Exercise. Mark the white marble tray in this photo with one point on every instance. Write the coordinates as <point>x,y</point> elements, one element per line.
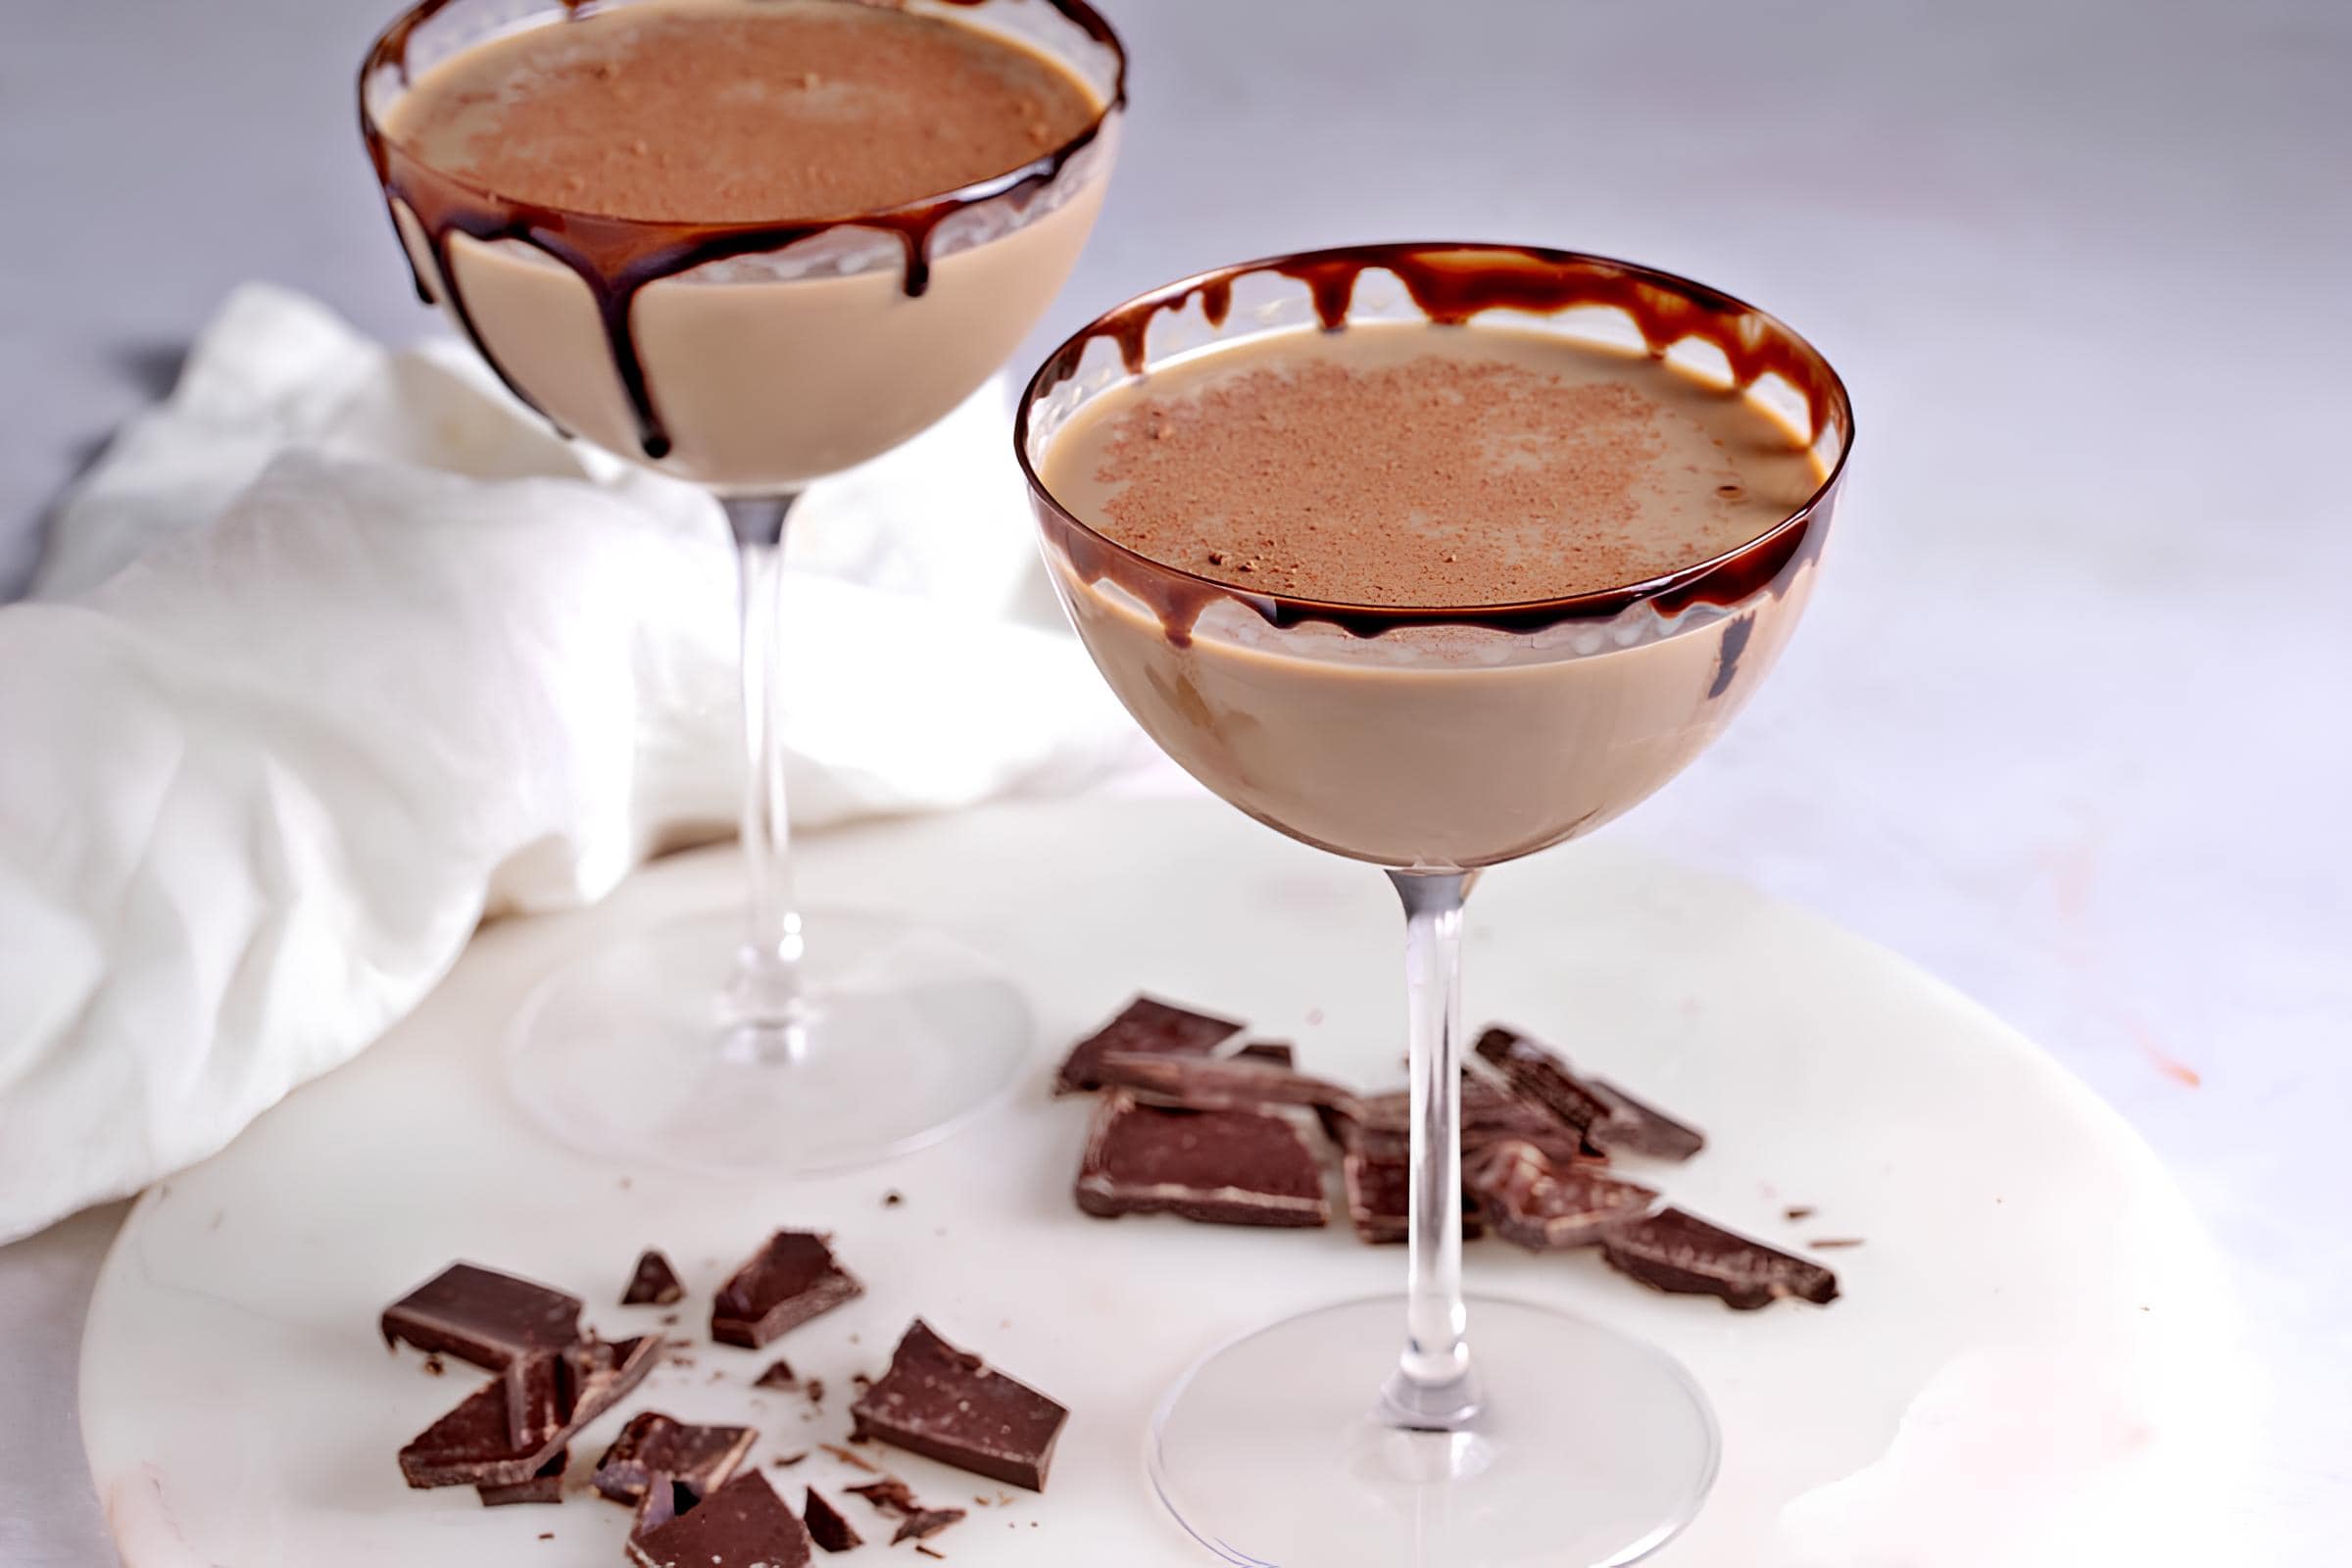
<point>2035,1361</point>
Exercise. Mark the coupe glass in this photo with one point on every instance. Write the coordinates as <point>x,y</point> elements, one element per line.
<point>1434,742</point>
<point>753,359</point>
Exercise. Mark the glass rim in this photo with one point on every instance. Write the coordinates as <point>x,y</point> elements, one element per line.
<point>1684,583</point>
<point>389,51</point>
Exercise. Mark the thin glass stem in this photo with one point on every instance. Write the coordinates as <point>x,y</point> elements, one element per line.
<point>1434,1389</point>
<point>766,1009</point>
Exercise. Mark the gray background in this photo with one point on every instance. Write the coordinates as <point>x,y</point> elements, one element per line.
<point>2067,722</point>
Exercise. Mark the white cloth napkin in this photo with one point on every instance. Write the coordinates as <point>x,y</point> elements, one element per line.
<point>340,650</point>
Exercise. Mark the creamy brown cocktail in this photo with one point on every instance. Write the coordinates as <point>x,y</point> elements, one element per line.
<point>1410,465</point>
<point>755,241</point>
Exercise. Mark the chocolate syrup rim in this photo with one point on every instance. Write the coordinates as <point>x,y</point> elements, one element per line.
<point>390,50</point>
<point>1723,580</point>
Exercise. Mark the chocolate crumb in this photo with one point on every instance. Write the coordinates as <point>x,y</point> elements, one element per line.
<point>1832,1243</point>
<point>547,1535</point>
<point>893,1198</point>
<point>815,1391</point>
<point>853,1461</point>
<point>928,1552</point>
<point>435,1365</point>
<point>1799,1212</point>
<point>785,1461</point>
<point>890,1494</point>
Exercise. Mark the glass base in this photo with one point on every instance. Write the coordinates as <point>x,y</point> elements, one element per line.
<point>1591,1449</point>
<point>629,1054</point>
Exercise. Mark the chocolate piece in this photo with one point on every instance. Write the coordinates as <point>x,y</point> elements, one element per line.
<point>484,1317</point>
<point>744,1523</point>
<point>1148,1027</point>
<point>652,1446</point>
<point>826,1527</point>
<point>889,1494</point>
<point>1215,1083</point>
<point>655,1283</point>
<point>1545,1205</point>
<point>1826,1244</point>
<point>947,1404</point>
<point>778,1376</point>
<point>1277,1052</point>
<point>1380,1126</point>
<point>1380,1198</point>
<point>925,1523</point>
<point>1611,1120</point>
<point>790,1279</point>
<point>663,1501</point>
<point>545,1487</point>
<point>550,1396</point>
<point>1678,1252</point>
<point>1220,1167</point>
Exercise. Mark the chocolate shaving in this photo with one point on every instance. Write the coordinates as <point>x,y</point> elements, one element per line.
<point>926,1523</point>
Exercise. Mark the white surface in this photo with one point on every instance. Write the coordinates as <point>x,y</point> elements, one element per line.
<point>339,649</point>
<point>2032,1355</point>
<point>2081,262</point>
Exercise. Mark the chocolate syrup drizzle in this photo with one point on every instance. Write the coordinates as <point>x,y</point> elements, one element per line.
<point>616,257</point>
<point>1449,283</point>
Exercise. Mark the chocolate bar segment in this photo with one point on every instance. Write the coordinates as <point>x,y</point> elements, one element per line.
<point>791,1279</point>
<point>744,1523</point>
<point>545,1487</point>
<point>1380,1200</point>
<point>1146,1026</point>
<point>1546,1207</point>
<point>826,1527</point>
<point>1219,1167</point>
<point>1678,1252</point>
<point>947,1404</point>
<point>484,1317</point>
<point>1610,1120</point>
<point>652,1446</point>
<point>1216,1083</point>
<point>1380,1126</point>
<point>654,1284</point>
<point>551,1396</point>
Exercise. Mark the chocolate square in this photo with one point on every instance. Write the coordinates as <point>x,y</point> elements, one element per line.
<point>1544,1206</point>
<point>1678,1252</point>
<point>790,1279</point>
<point>1220,1167</point>
<point>1146,1027</point>
<point>653,1446</point>
<point>744,1523</point>
<point>1610,1120</point>
<point>484,1317</point>
<point>947,1404</point>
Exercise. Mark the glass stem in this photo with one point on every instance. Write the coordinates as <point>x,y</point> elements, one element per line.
<point>1433,1388</point>
<point>765,1008</point>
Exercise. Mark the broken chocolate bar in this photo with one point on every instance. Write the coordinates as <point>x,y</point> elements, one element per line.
<point>744,1523</point>
<point>545,1487</point>
<point>1611,1120</point>
<point>1676,1252</point>
<point>1220,1167</point>
<point>655,1283</point>
<point>826,1527</point>
<point>1544,1206</point>
<point>482,1316</point>
<point>947,1404</point>
<point>553,1396</point>
<point>652,1446</point>
<point>1146,1026</point>
<point>1216,1083</point>
<point>790,1279</point>
<point>1380,1196</point>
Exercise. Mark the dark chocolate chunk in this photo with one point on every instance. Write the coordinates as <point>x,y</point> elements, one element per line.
<point>652,1446</point>
<point>550,1397</point>
<point>1380,1126</point>
<point>1277,1052</point>
<point>484,1317</point>
<point>1678,1252</point>
<point>744,1523</point>
<point>1221,1167</point>
<point>1545,1205</point>
<point>790,1279</point>
<point>1215,1083</point>
<point>778,1376</point>
<point>663,1501</point>
<point>925,1523</point>
<point>1380,1196</point>
<point>655,1283</point>
<point>1611,1120</point>
<point>545,1487</point>
<point>947,1404</point>
<point>826,1527</point>
<point>1146,1026</point>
